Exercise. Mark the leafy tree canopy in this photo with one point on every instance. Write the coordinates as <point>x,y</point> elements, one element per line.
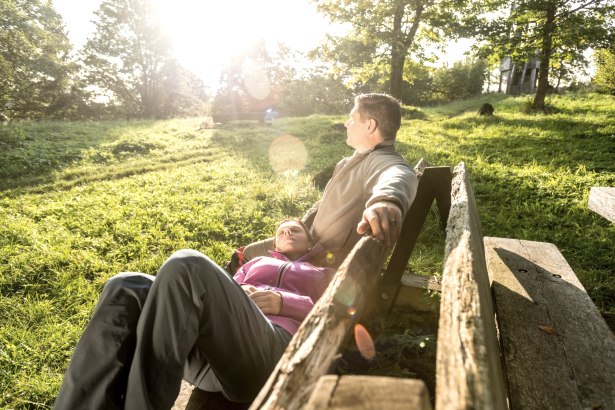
<point>35,67</point>
<point>555,31</point>
<point>129,61</point>
<point>605,71</point>
<point>384,33</point>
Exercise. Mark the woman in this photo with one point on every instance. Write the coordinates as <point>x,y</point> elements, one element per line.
<point>194,321</point>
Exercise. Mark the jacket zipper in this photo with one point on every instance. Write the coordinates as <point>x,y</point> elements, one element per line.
<point>281,270</point>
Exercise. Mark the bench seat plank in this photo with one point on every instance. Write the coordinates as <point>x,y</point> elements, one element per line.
<point>558,351</point>
<point>468,366</point>
<point>602,201</point>
<point>369,393</point>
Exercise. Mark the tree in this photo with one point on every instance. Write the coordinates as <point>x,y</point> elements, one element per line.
<point>462,80</point>
<point>254,79</point>
<point>128,58</point>
<point>35,66</point>
<point>560,30</point>
<point>384,34</point>
<point>605,71</point>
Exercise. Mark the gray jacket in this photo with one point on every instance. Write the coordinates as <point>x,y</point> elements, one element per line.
<point>359,181</point>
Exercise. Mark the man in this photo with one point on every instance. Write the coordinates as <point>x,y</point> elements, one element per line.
<point>369,191</point>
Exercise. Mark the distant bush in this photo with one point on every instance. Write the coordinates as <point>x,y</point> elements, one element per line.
<point>605,71</point>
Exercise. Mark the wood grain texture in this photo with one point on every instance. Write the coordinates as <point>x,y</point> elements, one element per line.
<point>559,352</point>
<point>369,393</point>
<point>315,346</point>
<point>602,201</point>
<point>468,366</point>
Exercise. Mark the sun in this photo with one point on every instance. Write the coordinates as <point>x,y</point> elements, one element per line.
<point>206,35</point>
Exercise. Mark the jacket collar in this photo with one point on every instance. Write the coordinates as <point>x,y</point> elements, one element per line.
<point>312,253</point>
<point>388,144</point>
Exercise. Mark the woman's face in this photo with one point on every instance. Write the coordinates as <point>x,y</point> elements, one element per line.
<point>291,239</point>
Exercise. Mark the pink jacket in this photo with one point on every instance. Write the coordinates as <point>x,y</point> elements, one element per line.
<point>299,282</point>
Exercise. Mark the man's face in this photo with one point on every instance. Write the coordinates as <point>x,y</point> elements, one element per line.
<point>357,131</point>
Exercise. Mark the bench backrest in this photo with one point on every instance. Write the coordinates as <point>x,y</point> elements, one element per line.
<point>314,348</point>
<point>468,366</point>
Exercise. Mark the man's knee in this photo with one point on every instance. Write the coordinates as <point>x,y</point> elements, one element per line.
<point>127,288</point>
<point>186,265</point>
<point>130,280</point>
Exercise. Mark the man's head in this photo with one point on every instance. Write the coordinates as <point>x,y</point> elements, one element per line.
<point>375,118</point>
<point>292,238</point>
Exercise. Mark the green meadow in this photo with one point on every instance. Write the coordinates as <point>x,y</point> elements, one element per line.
<point>81,201</point>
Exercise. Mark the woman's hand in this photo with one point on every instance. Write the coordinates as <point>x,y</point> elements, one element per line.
<point>268,301</point>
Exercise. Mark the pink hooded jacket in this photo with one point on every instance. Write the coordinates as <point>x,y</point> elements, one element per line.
<point>299,282</point>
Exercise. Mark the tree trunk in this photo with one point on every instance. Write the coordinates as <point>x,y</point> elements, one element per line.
<point>398,53</point>
<point>398,59</point>
<point>545,57</point>
<point>401,43</point>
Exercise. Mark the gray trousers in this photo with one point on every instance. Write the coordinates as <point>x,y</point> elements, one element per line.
<point>147,333</point>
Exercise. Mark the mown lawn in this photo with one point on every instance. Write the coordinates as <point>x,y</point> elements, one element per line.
<point>81,201</point>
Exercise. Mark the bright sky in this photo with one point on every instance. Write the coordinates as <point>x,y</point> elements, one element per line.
<point>206,33</point>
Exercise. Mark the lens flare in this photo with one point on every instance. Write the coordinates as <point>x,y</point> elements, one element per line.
<point>255,79</point>
<point>287,154</point>
<point>347,293</point>
<point>330,258</point>
<point>352,311</point>
<point>364,342</point>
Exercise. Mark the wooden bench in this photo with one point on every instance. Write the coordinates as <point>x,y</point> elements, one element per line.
<point>556,350</point>
<point>602,201</point>
<point>516,328</point>
<point>368,392</point>
<point>222,117</point>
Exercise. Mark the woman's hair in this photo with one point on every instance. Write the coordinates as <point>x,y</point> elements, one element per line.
<point>300,222</point>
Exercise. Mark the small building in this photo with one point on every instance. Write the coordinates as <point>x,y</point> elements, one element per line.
<point>518,77</point>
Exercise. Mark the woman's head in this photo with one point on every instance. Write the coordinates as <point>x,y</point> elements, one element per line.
<point>292,238</point>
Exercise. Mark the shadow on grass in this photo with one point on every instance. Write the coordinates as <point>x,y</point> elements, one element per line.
<point>31,153</point>
<point>549,142</point>
<point>323,138</point>
<point>572,357</point>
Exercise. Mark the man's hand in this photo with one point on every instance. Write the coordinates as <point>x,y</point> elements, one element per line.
<point>268,301</point>
<point>384,220</point>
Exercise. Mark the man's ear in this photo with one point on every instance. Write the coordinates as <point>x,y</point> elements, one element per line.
<point>372,126</point>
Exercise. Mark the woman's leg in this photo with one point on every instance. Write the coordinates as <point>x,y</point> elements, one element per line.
<point>196,310</point>
<point>98,371</point>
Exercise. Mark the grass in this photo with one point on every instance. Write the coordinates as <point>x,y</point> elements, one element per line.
<point>81,201</point>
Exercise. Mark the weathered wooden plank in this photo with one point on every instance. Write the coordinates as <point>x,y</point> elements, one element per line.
<point>414,292</point>
<point>434,184</point>
<point>315,346</point>
<point>602,201</point>
<point>559,352</point>
<point>184,396</point>
<point>369,393</point>
<point>468,367</point>
<point>421,281</point>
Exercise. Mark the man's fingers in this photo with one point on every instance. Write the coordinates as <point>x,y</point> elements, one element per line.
<point>395,221</point>
<point>375,225</point>
<point>384,220</point>
<point>362,227</point>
